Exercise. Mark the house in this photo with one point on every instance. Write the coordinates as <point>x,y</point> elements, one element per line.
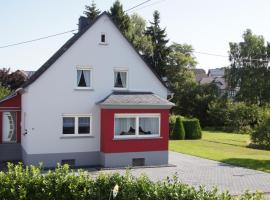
<point>199,74</point>
<point>94,102</point>
<point>26,74</point>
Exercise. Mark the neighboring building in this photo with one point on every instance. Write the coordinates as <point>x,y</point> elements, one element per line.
<point>216,76</point>
<point>94,102</point>
<point>26,74</point>
<point>218,72</point>
<point>199,74</point>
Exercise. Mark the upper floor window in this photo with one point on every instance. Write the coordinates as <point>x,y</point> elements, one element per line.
<point>120,79</point>
<point>84,77</point>
<point>103,39</point>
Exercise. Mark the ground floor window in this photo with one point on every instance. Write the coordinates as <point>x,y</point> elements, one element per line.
<point>76,124</point>
<point>136,125</point>
<point>9,127</point>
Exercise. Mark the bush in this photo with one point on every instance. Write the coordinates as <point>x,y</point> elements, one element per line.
<point>192,129</point>
<point>178,132</point>
<point>260,137</point>
<point>234,116</point>
<point>31,183</point>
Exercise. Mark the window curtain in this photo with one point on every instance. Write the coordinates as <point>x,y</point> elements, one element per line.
<point>79,74</point>
<point>87,77</point>
<point>123,76</point>
<point>124,125</point>
<point>148,126</point>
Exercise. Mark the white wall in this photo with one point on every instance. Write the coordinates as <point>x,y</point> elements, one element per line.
<point>54,94</point>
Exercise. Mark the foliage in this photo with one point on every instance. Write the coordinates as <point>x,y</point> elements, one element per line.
<point>192,129</point>
<point>91,11</point>
<point>31,184</point>
<point>160,50</point>
<point>4,92</point>
<point>178,132</point>
<point>137,36</point>
<point>11,80</point>
<point>225,147</point>
<point>260,137</point>
<point>249,69</point>
<point>120,17</point>
<point>234,116</point>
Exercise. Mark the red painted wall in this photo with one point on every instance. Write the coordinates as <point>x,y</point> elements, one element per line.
<point>109,145</point>
<point>12,104</point>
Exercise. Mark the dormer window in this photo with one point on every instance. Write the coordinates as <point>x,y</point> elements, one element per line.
<point>120,79</point>
<point>84,78</point>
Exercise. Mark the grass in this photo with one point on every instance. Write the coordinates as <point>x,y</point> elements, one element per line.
<point>225,147</point>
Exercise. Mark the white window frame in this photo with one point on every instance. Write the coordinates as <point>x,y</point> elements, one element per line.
<point>85,68</point>
<point>127,76</point>
<point>106,39</point>
<point>137,117</point>
<point>76,125</point>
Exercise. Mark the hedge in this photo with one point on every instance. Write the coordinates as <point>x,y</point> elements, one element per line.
<point>192,129</point>
<point>31,183</point>
<point>178,132</point>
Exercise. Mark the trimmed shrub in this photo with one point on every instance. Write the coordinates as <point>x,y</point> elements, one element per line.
<point>31,183</point>
<point>178,132</point>
<point>192,129</point>
<point>260,137</point>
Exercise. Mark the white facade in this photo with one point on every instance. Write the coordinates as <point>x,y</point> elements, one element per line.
<point>54,93</point>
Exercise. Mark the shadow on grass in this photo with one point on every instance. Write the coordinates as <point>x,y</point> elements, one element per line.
<point>262,165</point>
<point>226,143</point>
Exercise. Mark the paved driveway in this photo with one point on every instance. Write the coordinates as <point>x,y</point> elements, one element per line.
<point>198,171</point>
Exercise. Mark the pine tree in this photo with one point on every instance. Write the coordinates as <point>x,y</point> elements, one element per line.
<point>160,50</point>
<point>119,17</point>
<point>91,11</point>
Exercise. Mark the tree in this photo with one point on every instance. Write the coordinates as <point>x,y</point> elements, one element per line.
<point>159,41</point>
<point>181,79</point>
<point>119,17</point>
<point>136,35</point>
<point>91,11</point>
<point>4,92</point>
<point>12,80</point>
<point>249,69</point>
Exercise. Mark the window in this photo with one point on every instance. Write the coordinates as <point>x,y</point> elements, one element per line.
<point>83,78</point>
<point>120,79</point>
<point>103,38</point>
<point>136,125</point>
<point>76,124</point>
<point>68,125</point>
<point>9,127</point>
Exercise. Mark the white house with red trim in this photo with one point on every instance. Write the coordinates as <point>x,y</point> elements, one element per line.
<point>95,102</point>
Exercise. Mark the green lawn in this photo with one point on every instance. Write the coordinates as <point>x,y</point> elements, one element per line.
<point>225,147</point>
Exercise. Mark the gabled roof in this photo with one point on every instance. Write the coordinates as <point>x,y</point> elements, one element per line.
<point>71,41</point>
<point>124,98</point>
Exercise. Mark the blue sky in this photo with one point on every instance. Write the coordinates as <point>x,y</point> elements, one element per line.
<point>208,25</point>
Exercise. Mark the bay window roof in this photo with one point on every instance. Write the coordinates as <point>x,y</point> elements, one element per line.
<point>121,99</point>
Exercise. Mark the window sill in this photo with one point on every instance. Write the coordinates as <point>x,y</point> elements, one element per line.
<point>103,43</point>
<point>76,136</point>
<point>138,138</point>
<point>122,89</point>
<point>84,89</point>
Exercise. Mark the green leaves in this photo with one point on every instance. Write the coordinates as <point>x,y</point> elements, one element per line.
<point>31,183</point>
<point>249,69</point>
